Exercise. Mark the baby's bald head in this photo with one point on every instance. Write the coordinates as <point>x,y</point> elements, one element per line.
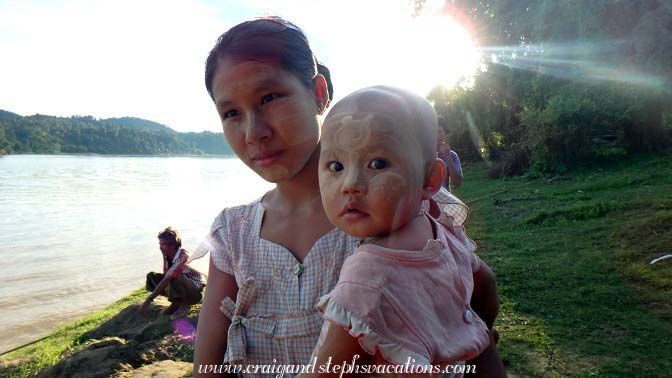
<point>378,160</point>
<point>409,113</point>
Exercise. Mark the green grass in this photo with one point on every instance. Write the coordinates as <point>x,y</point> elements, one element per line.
<point>571,255</point>
<point>67,338</point>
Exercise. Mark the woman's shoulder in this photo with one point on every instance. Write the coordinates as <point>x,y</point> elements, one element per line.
<point>233,214</point>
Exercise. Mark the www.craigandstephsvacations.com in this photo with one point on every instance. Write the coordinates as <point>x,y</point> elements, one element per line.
<point>346,367</point>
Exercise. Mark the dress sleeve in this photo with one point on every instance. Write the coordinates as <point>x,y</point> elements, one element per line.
<point>218,244</point>
<point>365,312</point>
<point>475,261</point>
<point>372,330</point>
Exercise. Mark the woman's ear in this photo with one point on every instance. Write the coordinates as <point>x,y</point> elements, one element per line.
<point>321,93</point>
<point>434,180</point>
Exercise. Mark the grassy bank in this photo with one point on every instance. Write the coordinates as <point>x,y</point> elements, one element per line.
<point>48,351</point>
<point>107,341</point>
<point>571,254</point>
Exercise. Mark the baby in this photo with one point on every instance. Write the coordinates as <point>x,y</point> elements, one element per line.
<point>403,297</point>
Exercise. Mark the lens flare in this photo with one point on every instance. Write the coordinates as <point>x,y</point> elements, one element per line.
<point>597,60</point>
<point>184,330</point>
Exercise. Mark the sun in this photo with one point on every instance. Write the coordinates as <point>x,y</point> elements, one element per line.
<point>437,50</point>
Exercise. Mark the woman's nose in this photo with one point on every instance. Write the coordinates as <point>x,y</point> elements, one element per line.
<point>256,129</point>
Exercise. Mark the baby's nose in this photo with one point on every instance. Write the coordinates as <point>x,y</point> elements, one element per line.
<point>354,183</point>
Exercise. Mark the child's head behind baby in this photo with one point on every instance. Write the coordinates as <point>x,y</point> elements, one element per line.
<point>378,160</point>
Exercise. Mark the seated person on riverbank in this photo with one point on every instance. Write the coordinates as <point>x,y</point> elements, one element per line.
<point>181,284</point>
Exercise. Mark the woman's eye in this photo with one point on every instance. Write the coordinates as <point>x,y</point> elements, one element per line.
<point>268,98</point>
<point>335,166</point>
<point>378,164</point>
<point>229,114</point>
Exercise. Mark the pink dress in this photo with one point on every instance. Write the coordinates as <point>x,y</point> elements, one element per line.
<point>274,319</point>
<point>413,305</point>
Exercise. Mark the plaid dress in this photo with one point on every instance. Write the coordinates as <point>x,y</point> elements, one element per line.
<point>274,320</point>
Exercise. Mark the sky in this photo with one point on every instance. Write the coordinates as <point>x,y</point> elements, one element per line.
<point>145,58</point>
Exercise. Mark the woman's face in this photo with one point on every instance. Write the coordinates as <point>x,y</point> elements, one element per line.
<point>269,117</point>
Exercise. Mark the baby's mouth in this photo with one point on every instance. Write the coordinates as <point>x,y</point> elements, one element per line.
<point>351,213</point>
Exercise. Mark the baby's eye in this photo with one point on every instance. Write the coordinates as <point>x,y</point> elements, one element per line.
<point>335,166</point>
<point>268,98</point>
<point>378,164</point>
<point>229,114</point>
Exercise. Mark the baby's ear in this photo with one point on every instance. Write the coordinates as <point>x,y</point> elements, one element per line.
<point>434,180</point>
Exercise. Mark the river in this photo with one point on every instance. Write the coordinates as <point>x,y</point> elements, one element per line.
<point>78,232</point>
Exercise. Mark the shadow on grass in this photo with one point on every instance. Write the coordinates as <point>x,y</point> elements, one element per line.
<point>125,342</point>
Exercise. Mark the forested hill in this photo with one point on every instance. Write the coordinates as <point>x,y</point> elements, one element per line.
<point>41,134</point>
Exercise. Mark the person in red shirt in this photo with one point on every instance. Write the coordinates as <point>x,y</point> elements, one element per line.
<point>181,284</point>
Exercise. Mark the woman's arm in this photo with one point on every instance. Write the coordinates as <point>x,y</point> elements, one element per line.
<point>213,326</point>
<point>485,298</point>
<point>485,302</point>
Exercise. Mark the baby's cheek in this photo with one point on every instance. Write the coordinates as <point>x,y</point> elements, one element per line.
<point>389,187</point>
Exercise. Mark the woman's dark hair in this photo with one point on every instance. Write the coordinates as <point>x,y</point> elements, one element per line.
<point>269,39</point>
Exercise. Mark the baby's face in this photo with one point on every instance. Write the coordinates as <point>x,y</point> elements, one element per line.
<point>371,172</point>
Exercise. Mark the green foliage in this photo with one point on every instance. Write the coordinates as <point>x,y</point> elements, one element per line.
<point>559,133</point>
<point>53,135</point>
<point>571,83</point>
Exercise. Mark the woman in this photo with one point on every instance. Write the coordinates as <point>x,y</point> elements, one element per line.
<point>279,254</point>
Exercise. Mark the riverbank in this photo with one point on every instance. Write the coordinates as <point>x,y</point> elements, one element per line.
<point>115,340</point>
<point>572,255</point>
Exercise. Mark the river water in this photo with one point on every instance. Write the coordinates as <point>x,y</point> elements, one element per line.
<point>78,232</point>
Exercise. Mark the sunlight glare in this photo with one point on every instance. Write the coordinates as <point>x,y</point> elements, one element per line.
<point>412,52</point>
<point>605,60</point>
<point>441,51</point>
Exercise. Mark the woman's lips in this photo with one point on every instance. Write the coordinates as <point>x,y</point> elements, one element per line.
<point>266,159</point>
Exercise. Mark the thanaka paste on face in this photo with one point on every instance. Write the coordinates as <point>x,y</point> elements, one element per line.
<point>293,122</point>
<point>392,187</point>
<point>372,130</point>
<point>353,133</point>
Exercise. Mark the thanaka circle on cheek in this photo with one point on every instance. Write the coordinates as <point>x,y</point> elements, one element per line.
<point>389,185</point>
